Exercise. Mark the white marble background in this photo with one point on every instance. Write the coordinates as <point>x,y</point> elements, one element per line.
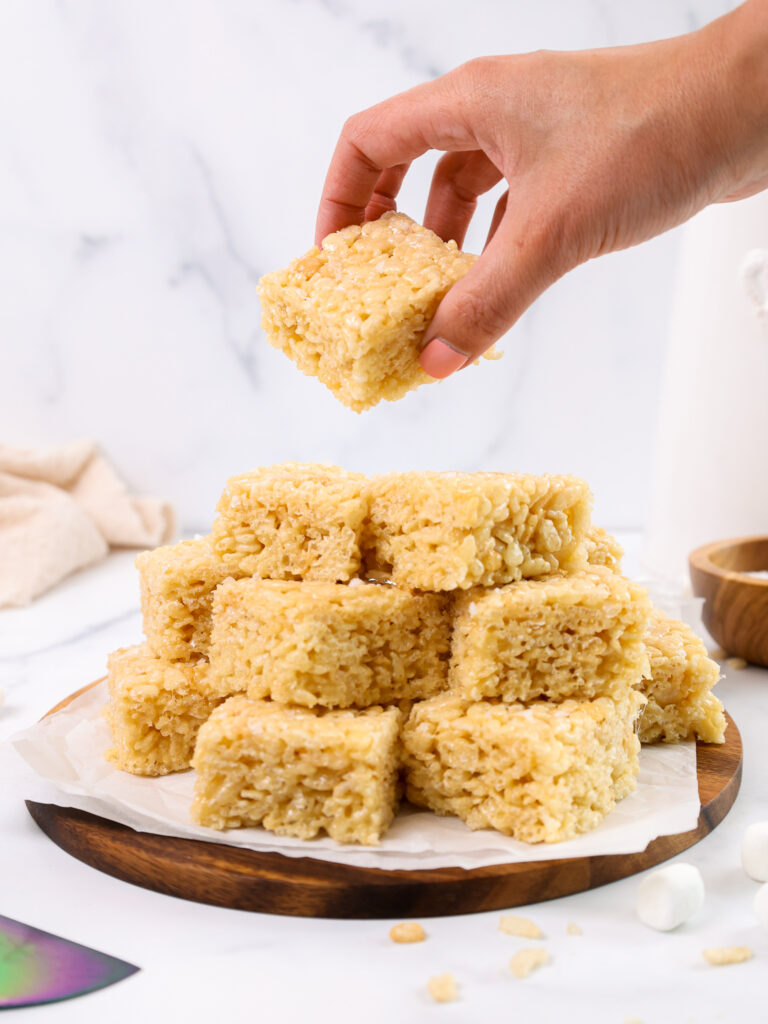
<point>157,156</point>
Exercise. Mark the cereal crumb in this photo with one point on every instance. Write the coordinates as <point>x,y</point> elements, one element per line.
<point>356,582</point>
<point>718,654</point>
<point>720,955</point>
<point>525,961</point>
<point>737,663</point>
<point>511,925</point>
<point>408,931</point>
<point>572,928</point>
<point>443,988</point>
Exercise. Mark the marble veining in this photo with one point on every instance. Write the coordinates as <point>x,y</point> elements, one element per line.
<point>156,159</point>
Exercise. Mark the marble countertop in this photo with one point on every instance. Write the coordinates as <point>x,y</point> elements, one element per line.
<point>199,961</point>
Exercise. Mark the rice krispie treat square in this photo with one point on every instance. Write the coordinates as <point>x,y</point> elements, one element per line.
<point>155,710</point>
<point>298,772</point>
<point>447,531</point>
<point>579,636</point>
<point>329,644</point>
<point>603,549</point>
<point>541,773</point>
<point>177,584</point>
<point>681,705</point>
<point>354,313</point>
<point>295,521</point>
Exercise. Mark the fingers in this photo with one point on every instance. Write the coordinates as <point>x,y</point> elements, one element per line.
<point>458,180</point>
<point>498,216</point>
<point>384,196</point>
<point>519,263</point>
<point>391,134</point>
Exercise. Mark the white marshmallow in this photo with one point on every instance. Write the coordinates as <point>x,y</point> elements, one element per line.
<point>670,896</point>
<point>761,906</point>
<point>754,851</point>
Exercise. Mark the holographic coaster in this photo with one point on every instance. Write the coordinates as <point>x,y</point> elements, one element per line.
<point>37,967</point>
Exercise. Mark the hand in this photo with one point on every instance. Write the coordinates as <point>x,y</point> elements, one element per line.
<point>600,150</point>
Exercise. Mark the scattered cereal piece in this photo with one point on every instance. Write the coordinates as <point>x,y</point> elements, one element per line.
<point>573,929</point>
<point>511,925</point>
<point>443,988</point>
<point>720,955</point>
<point>408,931</point>
<point>737,663</point>
<point>718,654</point>
<point>526,961</point>
<point>754,851</point>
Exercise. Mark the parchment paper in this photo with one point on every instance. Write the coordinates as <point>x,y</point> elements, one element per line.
<point>61,761</point>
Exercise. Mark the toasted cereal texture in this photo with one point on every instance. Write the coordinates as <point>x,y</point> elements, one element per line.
<point>408,931</point>
<point>155,710</point>
<point>523,927</point>
<point>298,772</point>
<point>526,961</point>
<point>329,644</point>
<point>720,956</point>
<point>447,531</point>
<point>541,773</point>
<point>579,636</point>
<point>295,521</point>
<point>603,549</point>
<point>177,585</point>
<point>354,313</point>
<point>443,988</point>
<point>681,705</point>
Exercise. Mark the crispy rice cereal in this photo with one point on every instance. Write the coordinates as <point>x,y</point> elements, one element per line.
<point>177,584</point>
<point>443,988</point>
<point>446,531</point>
<point>155,710</point>
<point>354,313</point>
<point>329,644</point>
<point>408,931</point>
<point>526,961</point>
<point>579,636</point>
<point>523,927</point>
<point>298,772</point>
<point>720,956</point>
<point>603,549</point>
<point>295,521</point>
<point>541,773</point>
<point>681,705</point>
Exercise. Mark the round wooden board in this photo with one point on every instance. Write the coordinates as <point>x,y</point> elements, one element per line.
<point>303,886</point>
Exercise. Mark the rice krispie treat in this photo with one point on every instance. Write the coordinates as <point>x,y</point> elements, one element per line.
<point>329,644</point>
<point>681,705</point>
<point>298,772</point>
<point>447,531</point>
<point>541,773</point>
<point>354,313</point>
<point>177,584</point>
<point>579,636</point>
<point>603,549</point>
<point>155,710</point>
<point>295,521</point>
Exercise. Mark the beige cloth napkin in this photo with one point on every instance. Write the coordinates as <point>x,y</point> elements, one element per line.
<point>62,509</point>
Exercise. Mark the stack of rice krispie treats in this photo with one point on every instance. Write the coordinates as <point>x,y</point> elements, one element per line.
<point>466,639</point>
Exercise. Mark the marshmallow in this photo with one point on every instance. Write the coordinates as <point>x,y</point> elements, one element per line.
<point>761,906</point>
<point>754,851</point>
<point>670,896</point>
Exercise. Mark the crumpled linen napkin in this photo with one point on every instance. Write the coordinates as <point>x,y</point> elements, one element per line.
<point>60,510</point>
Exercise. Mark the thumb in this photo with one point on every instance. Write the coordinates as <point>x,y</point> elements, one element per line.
<point>518,264</point>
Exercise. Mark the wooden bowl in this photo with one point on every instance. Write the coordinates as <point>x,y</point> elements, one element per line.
<point>735,604</point>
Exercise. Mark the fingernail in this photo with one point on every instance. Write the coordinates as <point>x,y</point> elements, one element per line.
<point>440,359</point>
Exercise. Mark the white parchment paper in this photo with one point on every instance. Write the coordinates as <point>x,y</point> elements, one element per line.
<point>61,761</point>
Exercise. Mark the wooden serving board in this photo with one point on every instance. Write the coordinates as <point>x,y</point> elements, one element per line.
<point>228,876</point>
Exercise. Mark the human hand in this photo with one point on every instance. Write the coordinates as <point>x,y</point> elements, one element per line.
<point>600,150</point>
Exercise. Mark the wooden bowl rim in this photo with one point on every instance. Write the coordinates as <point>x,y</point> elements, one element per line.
<point>701,560</point>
